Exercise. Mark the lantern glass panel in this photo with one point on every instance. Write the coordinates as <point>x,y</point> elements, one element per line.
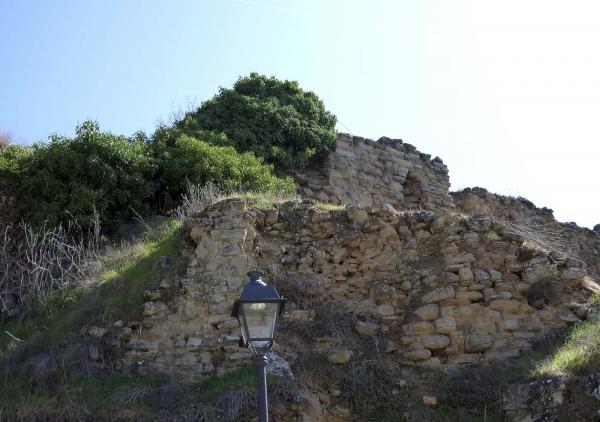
<point>260,323</point>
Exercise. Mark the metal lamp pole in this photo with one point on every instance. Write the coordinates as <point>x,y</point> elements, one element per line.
<point>260,363</point>
<point>257,310</point>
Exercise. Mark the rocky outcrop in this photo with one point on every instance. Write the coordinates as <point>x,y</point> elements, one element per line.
<point>370,173</point>
<point>442,289</point>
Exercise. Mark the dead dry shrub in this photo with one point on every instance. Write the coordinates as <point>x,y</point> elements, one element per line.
<point>543,292</point>
<point>301,293</point>
<point>197,199</point>
<point>34,263</point>
<point>538,238</point>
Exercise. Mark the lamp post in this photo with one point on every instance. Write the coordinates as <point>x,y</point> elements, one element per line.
<point>257,310</point>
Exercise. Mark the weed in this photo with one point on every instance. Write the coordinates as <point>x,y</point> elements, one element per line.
<point>329,207</point>
<point>580,354</point>
<point>543,292</point>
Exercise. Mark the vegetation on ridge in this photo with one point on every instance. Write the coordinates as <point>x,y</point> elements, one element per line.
<point>244,139</point>
<point>274,119</point>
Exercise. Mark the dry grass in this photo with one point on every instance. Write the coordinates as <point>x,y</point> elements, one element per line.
<point>539,238</point>
<point>111,290</point>
<point>199,197</point>
<point>35,263</point>
<point>579,355</point>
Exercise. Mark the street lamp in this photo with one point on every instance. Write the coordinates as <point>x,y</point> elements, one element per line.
<point>257,310</point>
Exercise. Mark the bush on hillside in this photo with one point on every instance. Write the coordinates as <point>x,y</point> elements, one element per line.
<point>74,179</point>
<point>192,161</point>
<point>274,119</point>
<point>12,160</point>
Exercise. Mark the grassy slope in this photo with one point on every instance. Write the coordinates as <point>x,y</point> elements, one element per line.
<point>579,354</point>
<point>117,293</point>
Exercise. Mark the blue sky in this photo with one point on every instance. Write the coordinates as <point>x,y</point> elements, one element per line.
<point>506,93</point>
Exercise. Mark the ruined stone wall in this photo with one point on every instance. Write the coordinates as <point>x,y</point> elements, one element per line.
<point>427,288</point>
<point>365,172</point>
<point>522,215</point>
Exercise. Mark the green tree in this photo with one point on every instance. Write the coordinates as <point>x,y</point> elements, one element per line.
<point>188,160</point>
<point>73,179</point>
<point>274,119</point>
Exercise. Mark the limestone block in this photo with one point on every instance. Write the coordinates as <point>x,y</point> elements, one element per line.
<point>418,355</point>
<point>447,311</point>
<point>447,277</point>
<point>421,235</point>
<point>406,340</point>
<point>454,302</point>
<point>465,274</point>
<point>506,306</point>
<point>366,328</point>
<point>430,401</point>
<point>433,362</point>
<point>471,239</point>
<point>481,276</point>
<point>194,343</point>
<point>388,233</point>
<point>383,311</point>
<point>438,294</point>
<point>445,325</point>
<point>428,312</point>
<point>339,254</point>
<point>418,328</point>
<point>478,342</point>
<point>435,341</point>
<point>495,275</point>
<point>197,231</point>
<point>511,323</point>
<point>472,296</point>
<point>490,294</point>
<point>416,346</point>
<point>465,258</point>
<point>352,240</point>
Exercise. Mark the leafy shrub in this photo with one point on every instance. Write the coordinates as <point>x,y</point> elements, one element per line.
<point>193,161</point>
<point>275,119</point>
<point>12,160</point>
<point>95,173</point>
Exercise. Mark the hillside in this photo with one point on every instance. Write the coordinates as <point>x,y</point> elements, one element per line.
<point>406,302</point>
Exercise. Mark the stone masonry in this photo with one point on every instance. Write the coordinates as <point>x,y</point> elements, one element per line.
<point>365,172</point>
<point>443,289</point>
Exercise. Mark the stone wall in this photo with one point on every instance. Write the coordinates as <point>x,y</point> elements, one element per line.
<point>522,215</point>
<point>426,288</point>
<point>365,172</point>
